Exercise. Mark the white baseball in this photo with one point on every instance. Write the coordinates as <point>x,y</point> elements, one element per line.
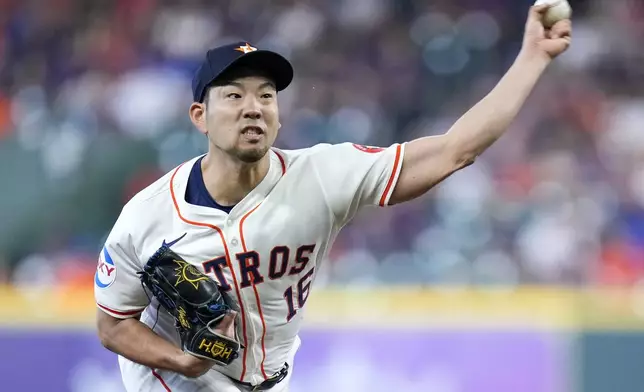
<point>559,9</point>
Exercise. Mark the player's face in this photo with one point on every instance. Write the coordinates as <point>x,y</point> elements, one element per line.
<point>242,117</point>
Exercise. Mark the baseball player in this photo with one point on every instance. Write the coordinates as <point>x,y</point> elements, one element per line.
<point>259,221</point>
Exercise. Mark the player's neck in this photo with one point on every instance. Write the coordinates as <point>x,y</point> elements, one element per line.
<point>228,181</point>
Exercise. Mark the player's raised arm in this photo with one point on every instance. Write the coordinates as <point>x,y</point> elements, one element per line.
<point>429,160</point>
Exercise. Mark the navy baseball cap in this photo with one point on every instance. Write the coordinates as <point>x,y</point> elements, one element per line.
<point>223,58</point>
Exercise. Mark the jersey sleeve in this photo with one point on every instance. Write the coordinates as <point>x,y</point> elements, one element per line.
<point>353,176</point>
<point>117,288</point>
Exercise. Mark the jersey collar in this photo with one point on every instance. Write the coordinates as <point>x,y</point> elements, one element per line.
<point>179,182</point>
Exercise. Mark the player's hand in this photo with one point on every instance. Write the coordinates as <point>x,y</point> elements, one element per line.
<point>226,326</point>
<point>193,366</point>
<point>542,42</point>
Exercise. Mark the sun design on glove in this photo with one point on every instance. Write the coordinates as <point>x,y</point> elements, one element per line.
<point>188,273</point>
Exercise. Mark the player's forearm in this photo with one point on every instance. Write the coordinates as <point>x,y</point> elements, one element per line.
<point>485,122</point>
<point>137,342</point>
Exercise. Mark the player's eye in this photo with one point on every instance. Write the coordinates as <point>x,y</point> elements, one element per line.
<point>233,96</point>
<point>267,96</point>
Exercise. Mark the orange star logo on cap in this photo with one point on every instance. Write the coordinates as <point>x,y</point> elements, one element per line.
<point>246,48</point>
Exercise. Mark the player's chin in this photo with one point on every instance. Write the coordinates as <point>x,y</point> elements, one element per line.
<point>251,154</point>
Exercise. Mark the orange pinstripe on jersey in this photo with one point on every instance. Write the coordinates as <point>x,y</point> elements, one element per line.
<point>259,306</point>
<point>232,271</point>
<point>282,162</point>
<point>158,376</point>
<point>383,199</point>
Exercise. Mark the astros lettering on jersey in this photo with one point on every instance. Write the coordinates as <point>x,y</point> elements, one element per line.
<point>265,253</point>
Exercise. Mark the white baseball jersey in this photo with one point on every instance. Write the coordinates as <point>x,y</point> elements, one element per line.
<point>265,253</point>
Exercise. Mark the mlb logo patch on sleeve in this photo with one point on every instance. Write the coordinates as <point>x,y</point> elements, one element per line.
<point>105,271</point>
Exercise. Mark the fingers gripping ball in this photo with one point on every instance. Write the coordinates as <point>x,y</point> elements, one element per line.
<point>203,316</point>
<point>558,10</point>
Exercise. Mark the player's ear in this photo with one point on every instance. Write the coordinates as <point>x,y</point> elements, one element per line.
<point>198,116</point>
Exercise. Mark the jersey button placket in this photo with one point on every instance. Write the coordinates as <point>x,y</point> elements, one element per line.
<point>251,358</point>
<point>252,312</point>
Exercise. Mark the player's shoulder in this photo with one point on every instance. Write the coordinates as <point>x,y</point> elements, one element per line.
<point>311,150</point>
<point>325,151</point>
<point>303,154</point>
<point>156,196</point>
<point>291,155</point>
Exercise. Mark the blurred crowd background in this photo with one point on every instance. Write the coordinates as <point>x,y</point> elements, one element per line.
<point>93,107</point>
<point>94,97</point>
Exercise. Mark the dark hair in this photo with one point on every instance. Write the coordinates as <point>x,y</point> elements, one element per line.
<point>206,95</point>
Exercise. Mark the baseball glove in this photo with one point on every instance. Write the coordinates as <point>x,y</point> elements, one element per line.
<point>196,304</point>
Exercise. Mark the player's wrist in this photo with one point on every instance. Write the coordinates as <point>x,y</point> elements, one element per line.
<point>174,361</point>
<point>179,363</point>
<point>533,58</point>
<point>191,366</point>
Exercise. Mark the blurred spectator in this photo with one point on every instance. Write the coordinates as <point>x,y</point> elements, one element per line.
<point>93,107</point>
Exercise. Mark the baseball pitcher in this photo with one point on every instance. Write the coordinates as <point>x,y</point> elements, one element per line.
<point>202,281</point>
